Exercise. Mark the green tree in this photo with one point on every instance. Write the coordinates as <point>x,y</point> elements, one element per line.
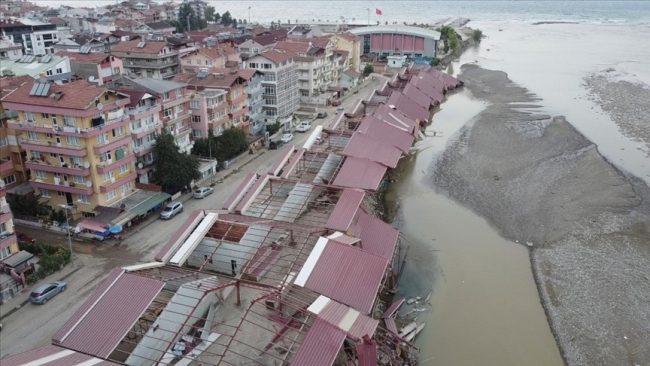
<point>435,61</point>
<point>226,18</point>
<point>368,70</point>
<point>234,23</point>
<point>205,147</point>
<point>196,22</point>
<point>209,13</point>
<point>27,205</point>
<point>174,169</point>
<point>177,24</point>
<point>477,35</point>
<point>216,18</point>
<point>231,143</point>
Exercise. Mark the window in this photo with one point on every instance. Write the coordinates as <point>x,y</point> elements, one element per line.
<point>3,142</point>
<point>4,253</point>
<point>137,142</point>
<point>102,138</point>
<point>53,155</point>
<point>32,135</point>
<point>75,160</point>
<point>41,174</point>
<point>108,176</point>
<point>83,199</point>
<point>252,65</point>
<point>194,104</point>
<point>45,193</point>
<point>69,121</point>
<point>125,188</point>
<point>106,157</point>
<point>236,93</point>
<point>179,108</point>
<point>196,119</point>
<point>123,168</point>
<point>189,61</point>
<point>9,179</point>
<point>60,71</point>
<point>48,135</point>
<point>179,93</point>
<point>45,115</point>
<point>118,131</point>
<point>208,62</point>
<point>167,112</point>
<point>60,194</point>
<point>79,179</point>
<point>136,125</point>
<point>197,133</point>
<point>29,117</point>
<point>105,96</point>
<point>3,228</point>
<point>87,214</point>
<point>49,73</point>
<point>111,195</point>
<point>166,96</point>
<point>72,140</point>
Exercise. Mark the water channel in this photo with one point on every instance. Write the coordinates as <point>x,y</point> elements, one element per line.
<point>485,308</point>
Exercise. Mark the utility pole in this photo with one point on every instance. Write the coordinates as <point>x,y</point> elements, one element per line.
<point>368,16</point>
<point>189,28</point>
<point>67,220</point>
<point>249,15</point>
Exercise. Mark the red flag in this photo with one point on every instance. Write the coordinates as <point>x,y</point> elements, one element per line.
<point>378,12</point>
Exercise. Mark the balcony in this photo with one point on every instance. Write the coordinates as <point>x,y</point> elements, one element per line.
<point>176,101</point>
<point>49,147</point>
<point>181,131</point>
<point>109,166</point>
<point>139,112</point>
<point>115,183</point>
<point>238,99</point>
<point>7,240</point>
<point>113,121</point>
<point>6,164</point>
<point>217,107</point>
<point>145,130</point>
<point>8,114</point>
<point>108,146</point>
<point>238,112</point>
<point>147,165</point>
<point>156,64</point>
<point>176,117</point>
<point>68,187</point>
<point>69,169</point>
<point>143,149</point>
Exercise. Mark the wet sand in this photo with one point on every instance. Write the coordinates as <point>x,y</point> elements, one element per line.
<point>485,309</point>
<point>541,182</point>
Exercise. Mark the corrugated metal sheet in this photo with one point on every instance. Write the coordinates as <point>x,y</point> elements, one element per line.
<point>395,118</point>
<point>367,353</point>
<point>364,325</point>
<point>182,231</point>
<point>285,154</point>
<point>393,308</point>
<point>450,81</point>
<point>386,133</point>
<point>377,237</point>
<point>292,164</point>
<point>345,210</point>
<point>366,147</point>
<point>53,356</point>
<point>252,192</point>
<point>407,106</point>
<point>336,314</point>
<point>428,89</point>
<point>321,345</point>
<point>360,173</point>
<point>239,192</point>
<point>418,96</point>
<point>106,318</point>
<point>435,82</point>
<point>348,275</point>
<point>390,325</point>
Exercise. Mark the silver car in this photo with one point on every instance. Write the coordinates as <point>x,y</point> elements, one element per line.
<point>41,294</point>
<point>202,192</point>
<point>172,209</point>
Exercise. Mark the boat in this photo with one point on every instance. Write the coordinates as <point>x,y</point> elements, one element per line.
<point>409,337</point>
<point>411,301</point>
<point>428,298</point>
<point>408,329</point>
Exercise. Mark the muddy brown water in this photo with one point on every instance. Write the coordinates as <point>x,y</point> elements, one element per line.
<point>484,309</point>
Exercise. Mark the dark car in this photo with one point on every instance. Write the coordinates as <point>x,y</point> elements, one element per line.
<point>24,239</point>
<point>321,115</point>
<point>273,145</point>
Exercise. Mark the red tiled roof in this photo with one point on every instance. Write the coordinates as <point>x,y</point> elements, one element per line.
<point>377,237</point>
<point>56,20</point>
<point>76,95</point>
<point>53,356</point>
<point>109,314</point>
<point>386,133</point>
<point>13,23</point>
<point>277,56</point>
<point>9,84</point>
<point>407,106</point>
<point>450,81</point>
<point>265,40</point>
<point>321,345</point>
<point>132,46</point>
<point>366,147</point>
<point>349,36</point>
<point>321,41</point>
<point>296,47</point>
<point>93,57</point>
<point>226,80</point>
<point>135,96</point>
<point>360,174</point>
<point>345,210</point>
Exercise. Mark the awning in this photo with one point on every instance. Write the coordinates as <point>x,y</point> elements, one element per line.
<point>93,226</point>
<point>335,88</point>
<point>17,259</point>
<point>141,209</point>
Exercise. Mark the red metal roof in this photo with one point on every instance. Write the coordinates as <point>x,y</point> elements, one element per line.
<point>390,325</point>
<point>321,345</point>
<point>286,172</point>
<point>366,147</point>
<point>393,308</point>
<point>93,225</point>
<point>395,117</point>
<point>349,275</point>
<point>177,235</point>
<point>428,89</point>
<point>450,81</point>
<point>386,133</point>
<point>280,161</point>
<point>407,106</point>
<point>367,353</point>
<point>435,82</point>
<point>417,96</point>
<point>245,183</point>
<point>360,173</point>
<point>345,210</point>
<point>58,357</point>
<point>377,237</point>
<point>109,314</point>
<point>340,315</point>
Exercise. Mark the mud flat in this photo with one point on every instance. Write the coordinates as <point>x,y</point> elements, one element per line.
<point>543,184</point>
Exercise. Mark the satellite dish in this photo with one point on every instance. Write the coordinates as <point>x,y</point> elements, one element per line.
<point>140,165</point>
<point>100,106</point>
<point>86,165</point>
<point>91,78</point>
<point>89,184</point>
<point>118,102</point>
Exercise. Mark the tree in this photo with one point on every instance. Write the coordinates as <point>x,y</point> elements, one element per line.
<point>216,17</point>
<point>234,23</point>
<point>477,35</point>
<point>226,18</point>
<point>28,205</point>
<point>196,22</point>
<point>177,24</point>
<point>368,70</point>
<point>435,61</point>
<point>209,13</point>
<point>174,169</point>
<point>224,147</point>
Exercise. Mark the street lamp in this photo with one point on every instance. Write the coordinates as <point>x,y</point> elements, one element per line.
<point>67,221</point>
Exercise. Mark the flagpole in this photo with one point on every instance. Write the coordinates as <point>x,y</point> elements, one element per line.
<point>368,16</point>
<point>249,15</point>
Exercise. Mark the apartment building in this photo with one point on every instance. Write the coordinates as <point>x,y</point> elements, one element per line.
<point>174,100</point>
<point>144,113</point>
<point>10,282</point>
<point>99,68</point>
<point>147,59</point>
<point>9,50</point>
<point>234,85</point>
<point>50,67</point>
<point>35,37</point>
<point>258,44</point>
<point>220,56</point>
<point>311,65</point>
<point>77,143</point>
<point>12,156</point>
<point>8,240</point>
<point>255,99</point>
<point>352,44</point>
<point>279,80</point>
<point>209,111</point>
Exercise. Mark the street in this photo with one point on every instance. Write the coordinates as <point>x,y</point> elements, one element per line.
<point>31,326</point>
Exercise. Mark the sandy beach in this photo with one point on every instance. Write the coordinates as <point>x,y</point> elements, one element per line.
<point>544,185</point>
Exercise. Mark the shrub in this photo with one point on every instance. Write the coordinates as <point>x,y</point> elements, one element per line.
<point>272,128</point>
<point>368,70</point>
<point>477,35</point>
<point>435,61</point>
<point>51,259</point>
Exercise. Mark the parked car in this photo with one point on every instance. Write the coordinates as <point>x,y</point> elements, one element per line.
<point>24,239</point>
<point>319,139</point>
<point>275,144</point>
<point>202,192</point>
<point>321,115</point>
<point>172,209</point>
<point>336,103</point>
<point>303,127</point>
<point>286,138</point>
<point>43,293</point>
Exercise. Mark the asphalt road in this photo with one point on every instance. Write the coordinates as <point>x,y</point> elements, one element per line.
<point>32,326</point>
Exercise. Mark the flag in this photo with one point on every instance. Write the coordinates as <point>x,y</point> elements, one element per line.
<point>378,12</point>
